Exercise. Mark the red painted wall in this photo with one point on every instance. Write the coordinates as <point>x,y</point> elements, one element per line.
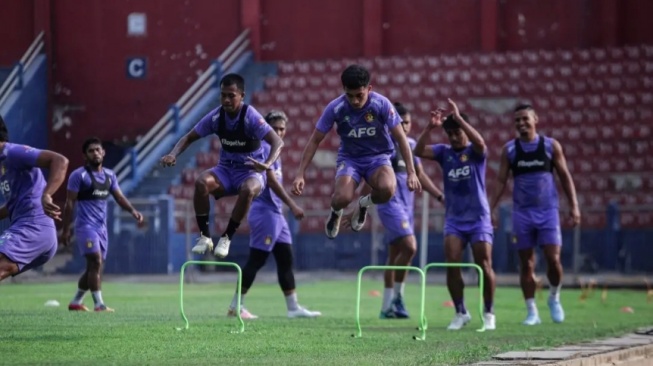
<point>420,27</point>
<point>16,29</point>
<point>90,49</point>
<point>300,29</point>
<point>635,22</point>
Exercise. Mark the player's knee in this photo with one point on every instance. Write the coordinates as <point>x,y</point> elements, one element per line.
<point>385,191</point>
<point>201,186</point>
<point>341,199</point>
<point>409,247</point>
<point>486,265</point>
<point>248,192</point>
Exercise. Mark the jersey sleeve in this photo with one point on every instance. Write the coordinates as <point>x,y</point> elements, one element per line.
<point>255,125</point>
<point>476,155</point>
<point>327,119</point>
<point>208,124</point>
<point>389,115</point>
<point>438,152</point>
<point>75,181</point>
<point>22,157</point>
<point>114,187</point>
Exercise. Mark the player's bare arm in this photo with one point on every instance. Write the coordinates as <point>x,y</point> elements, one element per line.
<point>278,189</point>
<point>124,203</point>
<point>500,185</point>
<point>57,165</point>
<point>428,184</point>
<point>478,144</point>
<point>399,136</point>
<point>68,212</point>
<point>276,143</point>
<point>307,158</point>
<point>4,212</point>
<point>560,164</point>
<point>171,158</point>
<point>421,148</point>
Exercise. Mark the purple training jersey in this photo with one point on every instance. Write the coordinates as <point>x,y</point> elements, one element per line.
<point>92,212</point>
<point>255,128</point>
<point>464,185</point>
<point>22,184</point>
<point>364,133</point>
<point>403,193</point>
<point>267,198</point>
<point>534,189</point>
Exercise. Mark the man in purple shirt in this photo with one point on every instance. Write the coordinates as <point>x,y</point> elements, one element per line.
<point>89,187</point>
<point>269,233</point>
<point>366,122</point>
<point>240,171</point>
<point>535,218</point>
<point>31,239</point>
<point>467,215</point>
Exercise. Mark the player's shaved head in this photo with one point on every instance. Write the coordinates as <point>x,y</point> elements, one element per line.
<point>233,79</point>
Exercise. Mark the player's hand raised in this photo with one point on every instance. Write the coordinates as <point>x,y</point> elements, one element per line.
<point>298,186</point>
<point>413,183</point>
<point>50,208</point>
<point>436,118</point>
<point>168,160</point>
<point>454,107</point>
<point>257,165</point>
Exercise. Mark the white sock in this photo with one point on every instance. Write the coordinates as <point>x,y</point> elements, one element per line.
<point>291,302</point>
<point>97,298</point>
<point>554,292</point>
<point>79,297</point>
<point>388,295</point>
<point>399,288</point>
<point>366,201</point>
<point>234,301</point>
<point>531,306</point>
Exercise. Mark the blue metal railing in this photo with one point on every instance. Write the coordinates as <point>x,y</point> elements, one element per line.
<point>130,166</point>
<point>15,79</point>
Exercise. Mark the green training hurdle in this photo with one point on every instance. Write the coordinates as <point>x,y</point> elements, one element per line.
<point>481,286</point>
<point>210,263</point>
<point>422,319</point>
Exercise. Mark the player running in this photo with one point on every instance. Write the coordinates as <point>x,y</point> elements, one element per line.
<point>536,223</point>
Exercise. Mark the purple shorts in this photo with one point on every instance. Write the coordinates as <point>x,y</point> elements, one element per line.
<point>29,244</point>
<point>475,233</point>
<point>397,219</point>
<point>357,169</point>
<point>92,240</point>
<point>531,229</point>
<point>231,178</point>
<point>267,228</point>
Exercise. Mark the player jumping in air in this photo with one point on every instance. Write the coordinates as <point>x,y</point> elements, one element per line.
<point>532,159</point>
<point>467,216</point>
<point>269,233</point>
<point>365,121</point>
<point>242,160</point>
<point>89,187</point>
<point>31,239</point>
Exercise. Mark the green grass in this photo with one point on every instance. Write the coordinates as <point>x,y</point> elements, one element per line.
<point>142,329</point>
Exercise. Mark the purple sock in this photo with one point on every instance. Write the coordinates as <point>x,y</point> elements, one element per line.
<point>459,305</point>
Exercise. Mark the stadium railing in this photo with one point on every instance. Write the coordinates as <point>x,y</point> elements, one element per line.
<point>15,79</point>
<point>139,159</point>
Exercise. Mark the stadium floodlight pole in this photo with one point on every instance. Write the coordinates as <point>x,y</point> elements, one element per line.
<point>422,318</point>
<point>211,263</point>
<point>481,286</point>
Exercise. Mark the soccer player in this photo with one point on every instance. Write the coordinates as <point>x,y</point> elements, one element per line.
<point>269,232</point>
<point>90,186</point>
<point>31,239</point>
<point>239,173</point>
<point>365,121</point>
<point>397,216</point>
<point>467,216</point>
<point>532,159</point>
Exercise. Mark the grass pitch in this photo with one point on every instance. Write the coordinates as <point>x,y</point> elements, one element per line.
<point>142,330</point>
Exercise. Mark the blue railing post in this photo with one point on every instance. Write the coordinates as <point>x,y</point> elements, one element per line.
<point>611,243</point>
<point>218,73</point>
<point>175,118</point>
<point>134,162</point>
<point>21,69</point>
